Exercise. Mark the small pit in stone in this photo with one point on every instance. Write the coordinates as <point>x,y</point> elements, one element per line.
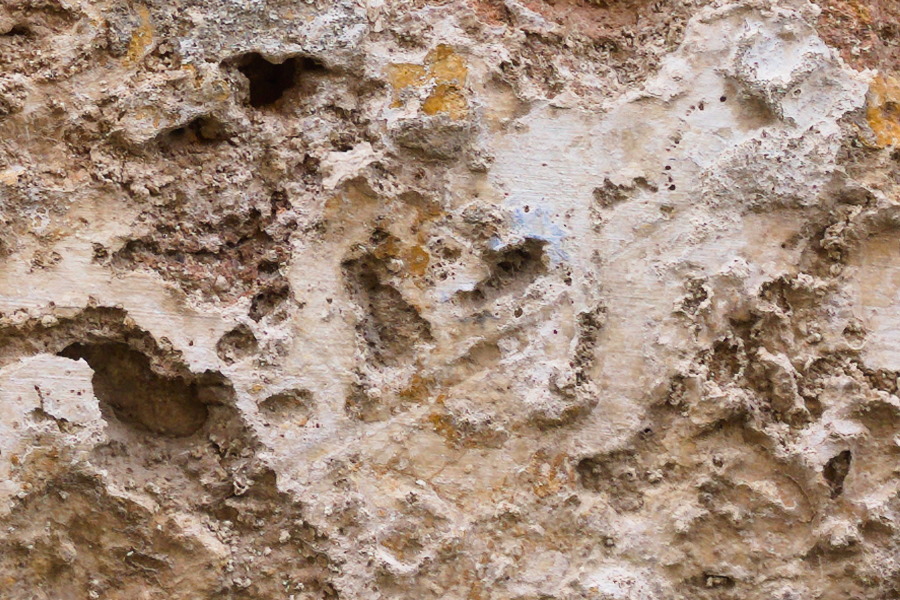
<point>237,344</point>
<point>392,327</point>
<point>291,405</point>
<point>615,474</point>
<point>126,385</point>
<point>269,81</point>
<point>511,270</point>
<point>269,300</point>
<point>201,130</point>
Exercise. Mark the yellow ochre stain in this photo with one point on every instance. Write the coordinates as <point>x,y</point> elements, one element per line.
<point>446,99</point>
<point>444,69</point>
<point>141,38</point>
<point>446,66</point>
<point>862,13</point>
<point>415,258</point>
<point>404,75</point>
<point>883,110</point>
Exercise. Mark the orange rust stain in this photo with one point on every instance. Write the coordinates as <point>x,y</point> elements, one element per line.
<point>141,38</point>
<point>443,426</point>
<point>549,474</point>
<point>883,110</point>
<point>415,258</point>
<point>418,389</point>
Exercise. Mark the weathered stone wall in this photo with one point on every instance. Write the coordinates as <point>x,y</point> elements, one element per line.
<point>475,299</point>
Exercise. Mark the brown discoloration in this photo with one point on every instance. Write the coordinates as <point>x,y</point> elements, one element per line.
<point>418,389</point>
<point>865,32</point>
<point>224,256</point>
<point>549,473</point>
<point>442,424</point>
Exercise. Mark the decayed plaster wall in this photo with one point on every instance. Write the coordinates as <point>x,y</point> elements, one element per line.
<point>479,299</point>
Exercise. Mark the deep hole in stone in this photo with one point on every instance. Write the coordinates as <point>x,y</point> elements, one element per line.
<point>125,382</point>
<point>18,31</point>
<point>269,81</point>
<point>836,471</point>
<point>519,260</point>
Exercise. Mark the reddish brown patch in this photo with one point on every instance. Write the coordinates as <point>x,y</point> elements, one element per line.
<point>548,474</point>
<point>866,32</point>
<point>596,20</point>
<point>226,256</point>
<point>629,36</point>
<point>492,12</point>
<point>602,20</point>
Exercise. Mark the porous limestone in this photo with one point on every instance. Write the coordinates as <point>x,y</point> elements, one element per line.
<point>457,299</point>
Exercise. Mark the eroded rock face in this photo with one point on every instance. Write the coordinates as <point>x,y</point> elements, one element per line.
<point>476,299</point>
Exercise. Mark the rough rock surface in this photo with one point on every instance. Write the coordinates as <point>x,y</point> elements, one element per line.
<point>469,299</point>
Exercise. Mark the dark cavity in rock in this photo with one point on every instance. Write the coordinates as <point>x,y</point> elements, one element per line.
<point>129,388</point>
